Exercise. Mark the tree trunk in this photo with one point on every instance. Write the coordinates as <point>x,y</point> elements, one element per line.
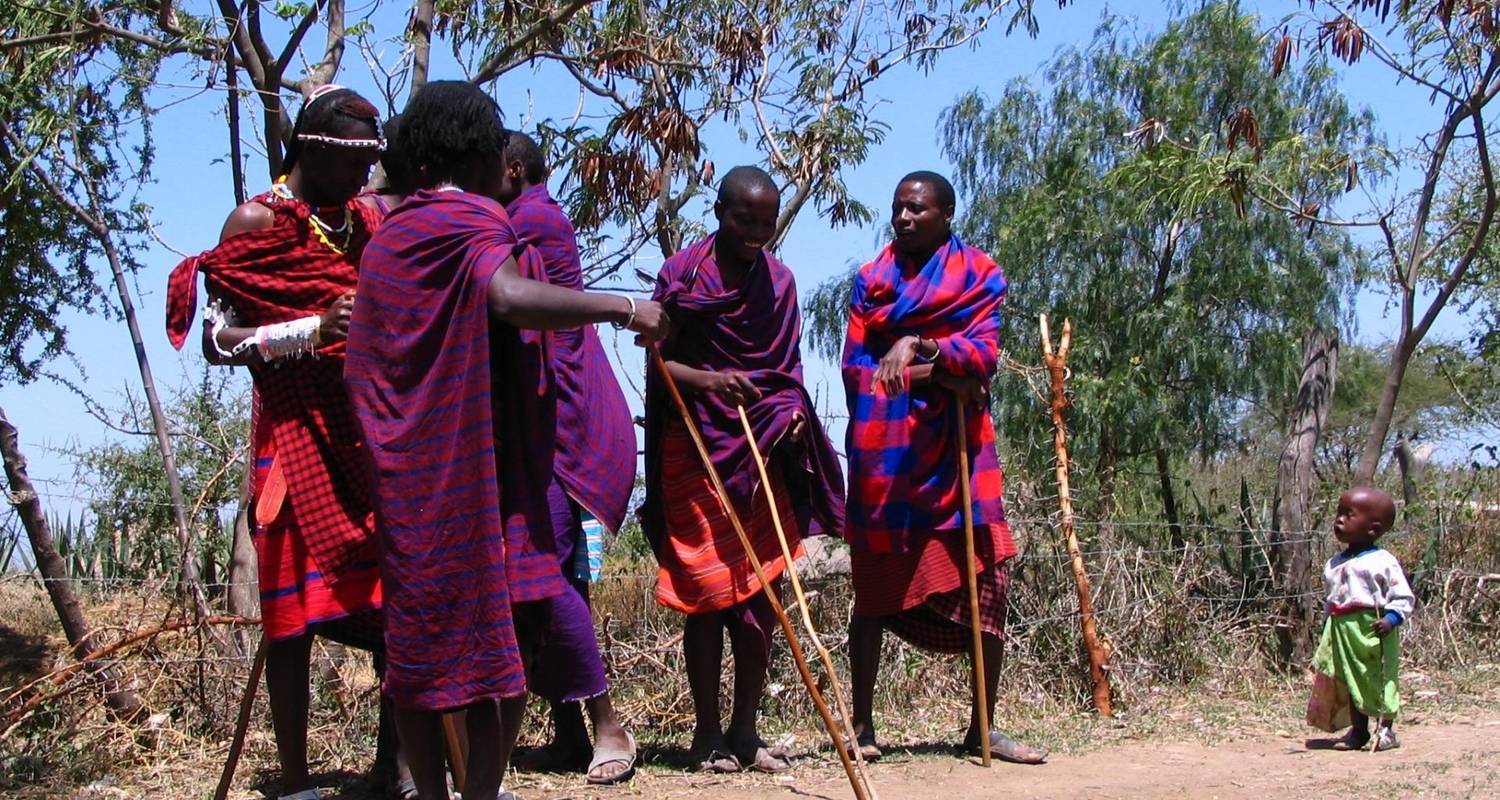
<point>1295,477</point>
<point>49,563</point>
<point>1385,411</point>
<point>1169,499</point>
<point>1407,462</point>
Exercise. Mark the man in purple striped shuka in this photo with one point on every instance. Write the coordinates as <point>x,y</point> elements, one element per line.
<point>441,381</point>
<point>594,471</point>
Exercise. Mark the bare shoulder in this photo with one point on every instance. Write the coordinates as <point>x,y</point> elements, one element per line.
<point>247,217</point>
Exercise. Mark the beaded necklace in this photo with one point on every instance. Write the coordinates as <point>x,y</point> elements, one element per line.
<point>319,228</point>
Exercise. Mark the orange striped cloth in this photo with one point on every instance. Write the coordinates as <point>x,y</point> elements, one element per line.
<point>703,564</point>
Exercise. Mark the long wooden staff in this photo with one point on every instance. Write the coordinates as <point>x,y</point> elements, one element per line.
<point>458,760</point>
<point>981,692</point>
<point>802,606</point>
<point>242,723</point>
<point>760,575</point>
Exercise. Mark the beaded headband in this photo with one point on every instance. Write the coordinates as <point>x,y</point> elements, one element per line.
<point>377,143</point>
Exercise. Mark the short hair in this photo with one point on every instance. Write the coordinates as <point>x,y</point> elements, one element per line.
<point>524,149</point>
<point>945,196</point>
<point>400,176</point>
<point>446,126</point>
<point>744,180</point>
<point>328,113</point>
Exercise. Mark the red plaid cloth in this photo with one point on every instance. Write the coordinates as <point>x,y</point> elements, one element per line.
<point>903,460</point>
<point>276,275</point>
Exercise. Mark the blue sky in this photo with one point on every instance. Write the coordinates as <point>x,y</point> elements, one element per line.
<point>192,195</point>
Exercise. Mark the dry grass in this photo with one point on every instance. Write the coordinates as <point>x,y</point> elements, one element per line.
<point>1190,638</point>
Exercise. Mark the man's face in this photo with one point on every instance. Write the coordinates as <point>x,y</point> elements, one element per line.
<point>920,222</point>
<point>747,221</point>
<point>512,182</point>
<point>334,174</point>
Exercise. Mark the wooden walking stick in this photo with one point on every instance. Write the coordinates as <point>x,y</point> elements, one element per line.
<point>760,575</point>
<point>981,692</point>
<point>458,760</point>
<point>242,722</point>
<point>802,606</point>
<point>1057,367</point>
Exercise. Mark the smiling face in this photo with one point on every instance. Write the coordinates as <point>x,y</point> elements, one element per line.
<point>1363,515</point>
<point>919,220</point>
<point>747,221</point>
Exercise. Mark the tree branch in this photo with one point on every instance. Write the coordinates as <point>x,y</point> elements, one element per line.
<point>295,40</point>
<point>333,51</point>
<point>492,66</point>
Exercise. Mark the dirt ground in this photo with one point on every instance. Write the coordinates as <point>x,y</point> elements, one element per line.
<point>1454,759</point>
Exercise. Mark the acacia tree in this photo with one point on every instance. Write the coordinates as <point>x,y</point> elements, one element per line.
<point>1434,237</point>
<point>1185,305</point>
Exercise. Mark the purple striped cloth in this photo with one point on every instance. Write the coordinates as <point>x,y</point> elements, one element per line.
<point>756,329</point>
<point>422,369</point>
<point>595,449</point>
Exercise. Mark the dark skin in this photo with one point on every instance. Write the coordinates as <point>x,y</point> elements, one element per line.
<point>523,303</point>
<point>747,222</point>
<point>1364,515</point>
<point>921,224</point>
<point>570,737</point>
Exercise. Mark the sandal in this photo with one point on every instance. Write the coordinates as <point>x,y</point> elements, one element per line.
<point>1007,749</point>
<point>717,762</point>
<point>869,751</point>
<point>605,756</point>
<point>1385,739</point>
<point>765,759</point>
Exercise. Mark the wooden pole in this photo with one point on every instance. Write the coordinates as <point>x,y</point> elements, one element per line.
<point>458,760</point>
<point>1057,367</point>
<point>981,693</point>
<point>802,606</point>
<point>760,575</point>
<point>242,723</point>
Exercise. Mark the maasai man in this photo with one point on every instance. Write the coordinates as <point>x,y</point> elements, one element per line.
<point>924,336</point>
<point>445,392</point>
<point>280,285</point>
<point>594,469</point>
<point>735,342</point>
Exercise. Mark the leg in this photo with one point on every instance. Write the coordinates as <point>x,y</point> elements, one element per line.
<point>1001,745</point>
<point>702,647</point>
<point>492,728</point>
<point>286,682</point>
<point>750,631</point>
<point>865,634</point>
<point>609,737</point>
<point>422,741</point>
<point>1359,731</point>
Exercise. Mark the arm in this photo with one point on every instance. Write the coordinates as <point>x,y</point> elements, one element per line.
<point>219,341</point>
<point>534,305</point>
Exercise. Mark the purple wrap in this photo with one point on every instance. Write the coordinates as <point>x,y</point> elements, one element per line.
<point>595,450</point>
<point>756,329</point>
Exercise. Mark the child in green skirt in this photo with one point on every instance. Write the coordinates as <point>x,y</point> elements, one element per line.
<point>1368,599</point>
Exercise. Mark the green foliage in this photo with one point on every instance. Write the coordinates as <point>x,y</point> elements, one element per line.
<point>130,505</point>
<point>1187,307</point>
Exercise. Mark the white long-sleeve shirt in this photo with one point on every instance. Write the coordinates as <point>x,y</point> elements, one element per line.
<point>1368,579</point>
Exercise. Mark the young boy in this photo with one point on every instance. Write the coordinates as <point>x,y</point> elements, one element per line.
<point>1368,598</point>
<point>735,343</point>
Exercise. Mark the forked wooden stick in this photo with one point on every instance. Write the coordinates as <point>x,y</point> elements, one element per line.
<point>1057,368</point>
<point>802,606</point>
<point>981,692</point>
<point>760,575</point>
<point>242,723</point>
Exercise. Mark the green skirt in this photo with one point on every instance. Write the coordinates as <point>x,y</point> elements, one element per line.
<point>1351,653</point>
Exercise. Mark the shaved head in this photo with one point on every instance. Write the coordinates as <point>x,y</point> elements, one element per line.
<point>1377,503</point>
<point>741,182</point>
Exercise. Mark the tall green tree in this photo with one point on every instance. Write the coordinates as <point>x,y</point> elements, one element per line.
<point>1185,305</point>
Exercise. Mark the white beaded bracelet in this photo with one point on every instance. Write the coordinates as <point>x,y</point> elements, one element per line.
<point>285,339</point>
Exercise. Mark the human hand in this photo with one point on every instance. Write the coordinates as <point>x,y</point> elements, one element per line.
<point>732,385</point>
<point>651,323</point>
<point>890,374</point>
<point>968,389</point>
<point>334,323</point>
<point>1382,627</point>
<point>799,426</point>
